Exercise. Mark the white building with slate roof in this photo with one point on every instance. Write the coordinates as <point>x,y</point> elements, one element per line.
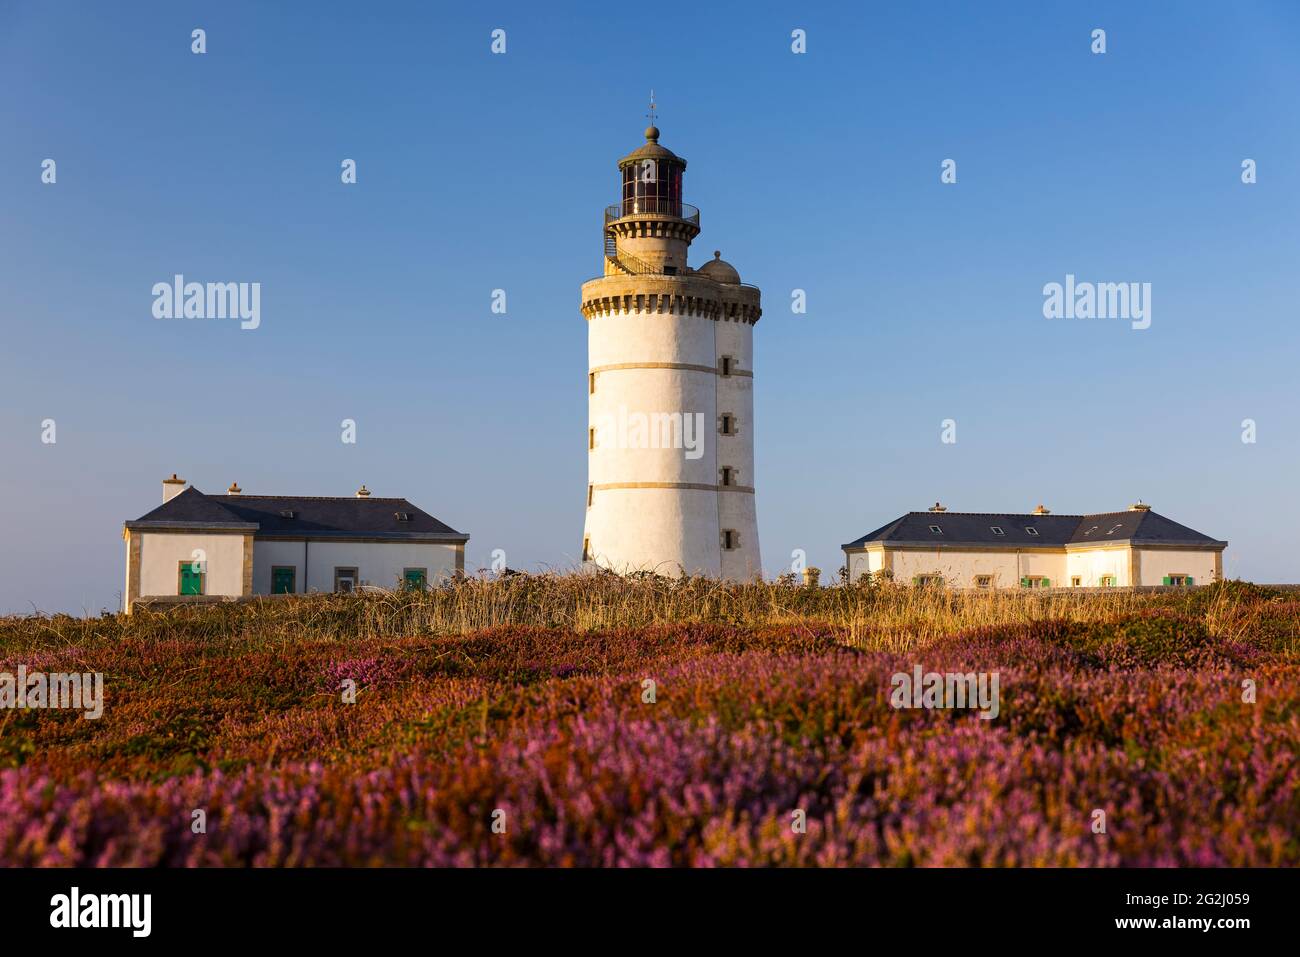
<point>1038,550</point>
<point>197,547</point>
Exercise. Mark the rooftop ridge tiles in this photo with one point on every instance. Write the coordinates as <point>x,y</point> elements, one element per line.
<point>312,498</point>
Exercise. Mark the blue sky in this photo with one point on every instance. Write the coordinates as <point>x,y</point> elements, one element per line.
<point>477,171</point>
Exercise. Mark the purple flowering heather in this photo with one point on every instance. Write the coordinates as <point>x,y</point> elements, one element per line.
<point>548,731</point>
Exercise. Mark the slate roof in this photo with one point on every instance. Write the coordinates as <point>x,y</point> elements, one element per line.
<point>191,507</point>
<point>1052,531</point>
<point>312,516</point>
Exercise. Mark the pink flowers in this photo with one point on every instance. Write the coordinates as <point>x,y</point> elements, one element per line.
<point>548,733</point>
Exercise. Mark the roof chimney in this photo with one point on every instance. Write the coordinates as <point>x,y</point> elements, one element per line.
<point>172,487</point>
<point>936,507</point>
<point>234,489</point>
<point>1042,510</point>
<point>1139,506</point>
<point>363,492</point>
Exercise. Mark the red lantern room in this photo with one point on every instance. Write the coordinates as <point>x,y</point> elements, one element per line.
<point>649,229</point>
<point>652,178</point>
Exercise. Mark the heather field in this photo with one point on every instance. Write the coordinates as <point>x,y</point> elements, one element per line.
<point>524,702</point>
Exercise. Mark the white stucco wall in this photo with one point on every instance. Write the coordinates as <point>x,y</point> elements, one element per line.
<point>378,563</point>
<point>162,552</point>
<point>738,511</point>
<point>681,539</point>
<point>650,337</point>
<point>961,568</point>
<point>1091,564</point>
<point>671,530</point>
<point>1156,563</point>
<point>269,553</point>
<point>1049,565</point>
<point>864,563</point>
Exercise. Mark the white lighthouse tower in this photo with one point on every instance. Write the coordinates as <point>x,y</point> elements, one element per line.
<point>670,384</point>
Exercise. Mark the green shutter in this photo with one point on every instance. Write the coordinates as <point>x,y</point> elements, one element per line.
<point>1188,581</point>
<point>191,578</point>
<point>282,581</point>
<point>1047,583</point>
<point>1024,583</point>
<point>1165,580</point>
<point>414,579</point>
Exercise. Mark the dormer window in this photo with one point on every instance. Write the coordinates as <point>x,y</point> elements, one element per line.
<point>1115,528</point>
<point>936,529</point>
<point>996,531</point>
<point>288,513</point>
<point>402,516</point>
<point>1030,530</point>
<point>1091,530</point>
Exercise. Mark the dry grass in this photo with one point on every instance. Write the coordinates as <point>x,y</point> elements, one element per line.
<point>874,617</point>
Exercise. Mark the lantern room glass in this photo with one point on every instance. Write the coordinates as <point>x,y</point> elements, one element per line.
<point>652,186</point>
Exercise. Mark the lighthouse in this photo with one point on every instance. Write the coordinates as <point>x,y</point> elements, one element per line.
<point>670,388</point>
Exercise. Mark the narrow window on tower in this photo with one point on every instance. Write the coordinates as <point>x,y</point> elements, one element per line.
<point>591,492</point>
<point>728,475</point>
<point>586,549</point>
<point>727,424</point>
<point>591,383</point>
<point>730,539</point>
<point>725,365</point>
<point>591,438</point>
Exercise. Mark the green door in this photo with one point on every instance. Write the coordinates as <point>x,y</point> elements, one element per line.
<point>415,578</point>
<point>282,581</point>
<point>191,578</point>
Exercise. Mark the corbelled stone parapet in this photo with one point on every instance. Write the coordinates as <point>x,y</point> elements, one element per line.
<point>672,295</point>
<point>653,226</point>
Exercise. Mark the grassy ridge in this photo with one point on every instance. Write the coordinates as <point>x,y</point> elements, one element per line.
<point>885,616</point>
<point>769,699</point>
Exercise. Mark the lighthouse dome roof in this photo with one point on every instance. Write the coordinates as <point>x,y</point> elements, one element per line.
<point>651,150</point>
<point>719,270</point>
